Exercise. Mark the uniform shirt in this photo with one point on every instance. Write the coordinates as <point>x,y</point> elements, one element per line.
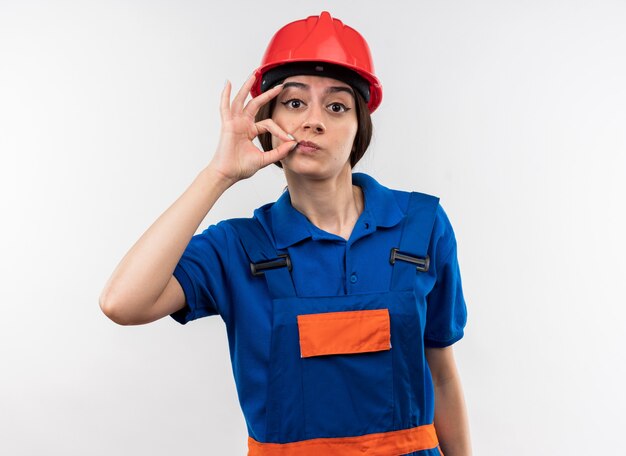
<point>214,273</point>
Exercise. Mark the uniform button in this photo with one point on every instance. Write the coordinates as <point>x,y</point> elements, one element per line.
<point>353,278</point>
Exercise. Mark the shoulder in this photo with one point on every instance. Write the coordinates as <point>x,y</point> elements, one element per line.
<point>442,224</point>
<point>382,197</point>
<point>237,233</point>
<point>233,227</point>
<point>442,227</point>
<point>443,239</point>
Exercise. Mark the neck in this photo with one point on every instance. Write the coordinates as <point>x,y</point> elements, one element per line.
<point>333,204</point>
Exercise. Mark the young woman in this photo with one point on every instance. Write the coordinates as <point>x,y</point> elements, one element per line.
<point>343,298</point>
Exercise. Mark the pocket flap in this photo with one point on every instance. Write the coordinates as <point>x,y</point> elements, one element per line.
<point>334,333</point>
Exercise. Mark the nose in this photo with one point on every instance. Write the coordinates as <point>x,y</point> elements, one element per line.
<point>313,120</point>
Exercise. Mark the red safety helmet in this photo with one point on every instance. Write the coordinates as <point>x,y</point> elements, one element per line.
<point>321,39</point>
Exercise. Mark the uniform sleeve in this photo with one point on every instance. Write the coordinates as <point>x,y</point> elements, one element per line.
<point>446,314</point>
<point>202,272</point>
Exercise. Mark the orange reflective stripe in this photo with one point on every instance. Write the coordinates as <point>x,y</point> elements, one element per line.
<point>333,333</point>
<point>381,444</point>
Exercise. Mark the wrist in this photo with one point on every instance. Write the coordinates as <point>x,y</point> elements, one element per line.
<point>214,177</point>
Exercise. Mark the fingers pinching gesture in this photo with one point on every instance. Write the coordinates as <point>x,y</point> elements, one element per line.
<point>236,156</point>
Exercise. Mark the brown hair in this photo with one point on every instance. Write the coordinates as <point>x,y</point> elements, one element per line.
<point>361,140</point>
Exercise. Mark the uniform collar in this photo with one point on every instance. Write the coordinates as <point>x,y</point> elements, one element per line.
<point>380,201</point>
<point>290,226</point>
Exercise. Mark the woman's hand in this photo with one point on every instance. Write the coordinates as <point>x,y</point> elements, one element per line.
<point>236,157</point>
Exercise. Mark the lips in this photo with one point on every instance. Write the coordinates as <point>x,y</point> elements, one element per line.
<point>307,146</point>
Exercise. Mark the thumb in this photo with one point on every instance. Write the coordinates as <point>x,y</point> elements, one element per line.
<point>278,153</point>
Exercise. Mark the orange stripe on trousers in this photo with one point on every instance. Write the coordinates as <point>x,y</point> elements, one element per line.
<point>380,444</point>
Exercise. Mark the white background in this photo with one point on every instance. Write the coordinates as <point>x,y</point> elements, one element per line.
<point>514,113</point>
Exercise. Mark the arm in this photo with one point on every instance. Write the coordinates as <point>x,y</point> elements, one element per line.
<point>451,420</point>
<point>142,288</point>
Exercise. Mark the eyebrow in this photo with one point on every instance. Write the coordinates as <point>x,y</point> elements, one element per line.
<point>333,89</point>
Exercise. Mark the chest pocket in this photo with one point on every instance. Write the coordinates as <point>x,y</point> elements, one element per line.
<point>342,333</point>
<point>346,370</point>
<point>332,366</point>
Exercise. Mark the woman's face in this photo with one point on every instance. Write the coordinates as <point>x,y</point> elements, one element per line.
<point>320,111</point>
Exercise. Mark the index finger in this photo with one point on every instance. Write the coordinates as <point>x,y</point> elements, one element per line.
<point>242,94</point>
<point>225,102</point>
<point>255,104</point>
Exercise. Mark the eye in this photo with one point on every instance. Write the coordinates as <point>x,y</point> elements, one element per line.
<point>338,107</point>
<point>293,103</point>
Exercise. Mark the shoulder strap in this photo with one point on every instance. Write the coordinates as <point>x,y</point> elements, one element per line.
<point>411,256</point>
<point>265,259</point>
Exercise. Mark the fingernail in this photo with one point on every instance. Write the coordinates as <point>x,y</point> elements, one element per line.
<point>294,146</point>
<point>291,137</point>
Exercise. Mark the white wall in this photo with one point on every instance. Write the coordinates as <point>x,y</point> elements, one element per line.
<point>514,113</point>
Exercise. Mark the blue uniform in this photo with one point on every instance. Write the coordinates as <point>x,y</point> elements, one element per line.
<point>290,392</point>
